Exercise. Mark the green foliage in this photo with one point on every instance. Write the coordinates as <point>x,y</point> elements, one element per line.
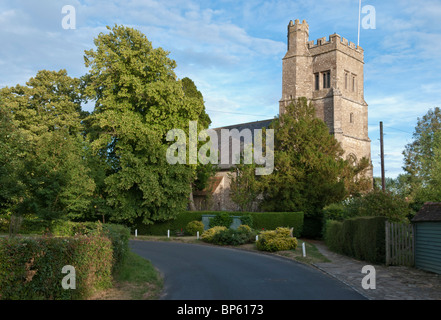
<point>232,237</point>
<point>273,220</point>
<point>244,228</point>
<point>308,164</point>
<point>46,147</point>
<point>208,235</point>
<point>276,240</point>
<point>221,219</point>
<point>119,236</point>
<point>362,238</point>
<point>31,268</point>
<point>379,203</point>
<point>193,227</point>
<point>160,228</point>
<point>247,219</point>
<point>334,211</point>
<point>138,100</point>
<point>422,160</point>
<point>245,186</point>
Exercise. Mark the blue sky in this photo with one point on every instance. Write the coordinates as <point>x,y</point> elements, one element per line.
<point>233,51</point>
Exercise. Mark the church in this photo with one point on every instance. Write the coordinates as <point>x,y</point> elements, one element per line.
<point>329,73</point>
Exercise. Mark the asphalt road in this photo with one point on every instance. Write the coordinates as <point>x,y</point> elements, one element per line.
<point>199,272</point>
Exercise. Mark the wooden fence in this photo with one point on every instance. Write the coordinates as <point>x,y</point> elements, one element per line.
<point>399,244</point>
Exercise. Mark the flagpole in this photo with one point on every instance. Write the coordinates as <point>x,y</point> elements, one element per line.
<point>359,18</point>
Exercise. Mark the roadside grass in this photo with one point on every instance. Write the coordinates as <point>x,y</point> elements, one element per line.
<point>137,279</point>
<point>312,255</point>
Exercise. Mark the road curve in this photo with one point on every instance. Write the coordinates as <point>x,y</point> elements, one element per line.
<point>200,272</point>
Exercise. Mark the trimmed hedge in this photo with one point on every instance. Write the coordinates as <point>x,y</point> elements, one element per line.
<point>362,238</point>
<point>32,268</point>
<point>260,220</point>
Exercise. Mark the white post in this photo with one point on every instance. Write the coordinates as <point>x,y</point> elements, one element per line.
<point>168,233</point>
<point>257,238</point>
<point>197,234</point>
<point>136,233</point>
<point>304,249</point>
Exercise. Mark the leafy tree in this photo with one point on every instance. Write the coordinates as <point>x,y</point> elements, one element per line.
<point>138,99</point>
<point>203,173</point>
<point>379,203</point>
<point>11,150</point>
<point>308,163</point>
<point>422,159</point>
<point>46,114</point>
<point>245,186</point>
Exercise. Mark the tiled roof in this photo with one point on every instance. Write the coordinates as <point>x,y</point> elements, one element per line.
<point>431,211</point>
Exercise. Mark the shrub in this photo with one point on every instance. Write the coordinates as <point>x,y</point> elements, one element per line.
<point>243,234</point>
<point>31,268</point>
<point>119,236</point>
<point>335,211</point>
<point>230,237</point>
<point>362,238</point>
<point>193,227</point>
<point>222,219</point>
<point>276,240</point>
<point>244,228</point>
<point>380,204</point>
<point>247,219</point>
<point>208,235</point>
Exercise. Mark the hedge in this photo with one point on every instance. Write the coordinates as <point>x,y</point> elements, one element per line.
<point>260,220</point>
<point>362,238</point>
<point>32,268</point>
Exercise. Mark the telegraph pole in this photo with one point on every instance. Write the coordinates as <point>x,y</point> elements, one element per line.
<point>383,181</point>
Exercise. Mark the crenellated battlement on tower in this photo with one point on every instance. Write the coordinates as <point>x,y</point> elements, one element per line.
<point>337,40</point>
<point>298,26</point>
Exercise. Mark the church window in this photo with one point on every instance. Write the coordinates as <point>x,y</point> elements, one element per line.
<point>346,80</point>
<point>351,118</point>
<point>317,81</point>
<point>326,79</point>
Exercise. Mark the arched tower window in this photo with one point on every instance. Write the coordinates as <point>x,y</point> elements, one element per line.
<point>351,118</point>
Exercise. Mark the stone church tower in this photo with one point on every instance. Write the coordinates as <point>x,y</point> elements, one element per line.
<point>330,74</point>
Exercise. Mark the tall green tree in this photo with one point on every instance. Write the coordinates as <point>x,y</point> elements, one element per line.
<point>138,99</point>
<point>46,113</point>
<point>422,158</point>
<point>308,163</point>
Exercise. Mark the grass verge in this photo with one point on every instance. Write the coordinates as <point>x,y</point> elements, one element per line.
<point>137,279</point>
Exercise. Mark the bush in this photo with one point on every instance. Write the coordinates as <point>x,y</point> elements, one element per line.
<point>119,236</point>
<point>222,219</point>
<point>208,235</point>
<point>361,238</point>
<point>380,204</point>
<point>32,268</point>
<point>247,219</point>
<point>276,240</point>
<point>244,228</point>
<point>335,211</point>
<point>193,227</point>
<point>230,237</point>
